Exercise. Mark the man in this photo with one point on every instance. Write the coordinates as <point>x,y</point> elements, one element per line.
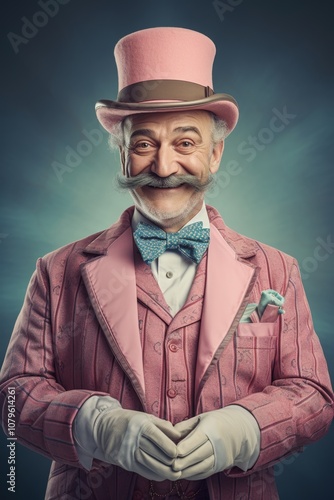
<point>168,356</point>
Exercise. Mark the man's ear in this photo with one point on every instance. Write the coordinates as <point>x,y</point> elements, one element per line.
<point>216,156</point>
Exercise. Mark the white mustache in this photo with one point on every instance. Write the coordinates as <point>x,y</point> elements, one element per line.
<point>153,180</point>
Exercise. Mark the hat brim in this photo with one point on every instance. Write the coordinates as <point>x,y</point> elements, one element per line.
<point>110,113</point>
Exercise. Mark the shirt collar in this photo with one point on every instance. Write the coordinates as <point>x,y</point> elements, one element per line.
<point>201,216</point>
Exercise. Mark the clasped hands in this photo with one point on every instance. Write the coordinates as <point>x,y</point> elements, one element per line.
<point>193,449</point>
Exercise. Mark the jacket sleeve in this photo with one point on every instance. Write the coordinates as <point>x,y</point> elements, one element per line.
<point>297,408</point>
<point>44,410</point>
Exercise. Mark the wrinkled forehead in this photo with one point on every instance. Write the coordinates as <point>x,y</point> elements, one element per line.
<point>169,121</point>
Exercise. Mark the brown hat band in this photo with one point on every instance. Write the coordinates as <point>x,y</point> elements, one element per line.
<point>161,90</point>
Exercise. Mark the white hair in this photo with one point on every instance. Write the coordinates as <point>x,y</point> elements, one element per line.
<point>116,138</point>
<point>219,129</point>
<point>219,132</point>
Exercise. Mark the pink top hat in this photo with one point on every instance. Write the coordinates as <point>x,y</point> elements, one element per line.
<point>165,69</point>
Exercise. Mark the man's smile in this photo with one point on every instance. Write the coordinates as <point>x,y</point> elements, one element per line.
<point>165,187</point>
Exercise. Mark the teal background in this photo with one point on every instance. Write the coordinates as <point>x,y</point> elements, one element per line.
<point>269,55</point>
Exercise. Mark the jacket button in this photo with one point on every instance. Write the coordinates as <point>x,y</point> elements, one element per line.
<point>171,393</point>
<point>173,347</point>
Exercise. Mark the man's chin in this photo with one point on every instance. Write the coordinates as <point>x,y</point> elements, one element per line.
<point>169,216</point>
<point>160,215</point>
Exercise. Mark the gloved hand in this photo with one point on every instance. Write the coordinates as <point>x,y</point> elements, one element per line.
<point>137,442</point>
<point>216,441</point>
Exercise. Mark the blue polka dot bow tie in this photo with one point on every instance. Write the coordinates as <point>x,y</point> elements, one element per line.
<point>192,241</point>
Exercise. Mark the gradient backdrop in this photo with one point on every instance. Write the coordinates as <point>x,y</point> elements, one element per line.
<point>273,56</point>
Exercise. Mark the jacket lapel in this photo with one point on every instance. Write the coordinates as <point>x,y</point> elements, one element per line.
<point>110,280</point>
<point>111,284</point>
<point>229,281</point>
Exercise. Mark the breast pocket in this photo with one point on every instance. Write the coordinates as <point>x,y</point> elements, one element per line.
<point>255,349</point>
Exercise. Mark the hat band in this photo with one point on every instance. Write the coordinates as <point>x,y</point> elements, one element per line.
<point>151,90</point>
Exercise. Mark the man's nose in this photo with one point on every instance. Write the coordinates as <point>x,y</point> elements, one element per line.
<point>165,162</point>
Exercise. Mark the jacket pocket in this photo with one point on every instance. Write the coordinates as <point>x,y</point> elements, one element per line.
<point>255,350</point>
<point>256,330</point>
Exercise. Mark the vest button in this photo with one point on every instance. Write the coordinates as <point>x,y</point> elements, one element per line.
<point>173,347</point>
<point>171,393</point>
<point>169,274</point>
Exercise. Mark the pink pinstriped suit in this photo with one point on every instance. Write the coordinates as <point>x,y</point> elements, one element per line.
<point>95,322</point>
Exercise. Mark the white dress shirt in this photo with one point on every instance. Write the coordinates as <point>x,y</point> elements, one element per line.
<point>172,270</point>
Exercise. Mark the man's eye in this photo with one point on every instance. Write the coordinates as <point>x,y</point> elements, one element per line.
<point>186,146</point>
<point>142,145</point>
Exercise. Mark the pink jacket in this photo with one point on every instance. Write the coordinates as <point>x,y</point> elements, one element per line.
<point>77,336</point>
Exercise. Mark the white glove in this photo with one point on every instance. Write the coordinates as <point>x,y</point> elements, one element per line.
<point>137,442</point>
<point>216,441</point>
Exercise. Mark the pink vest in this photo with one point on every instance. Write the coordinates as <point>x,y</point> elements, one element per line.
<point>170,351</point>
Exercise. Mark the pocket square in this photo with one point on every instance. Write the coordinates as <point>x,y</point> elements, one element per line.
<point>267,310</point>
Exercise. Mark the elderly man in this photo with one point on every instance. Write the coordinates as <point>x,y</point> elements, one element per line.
<point>168,356</point>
